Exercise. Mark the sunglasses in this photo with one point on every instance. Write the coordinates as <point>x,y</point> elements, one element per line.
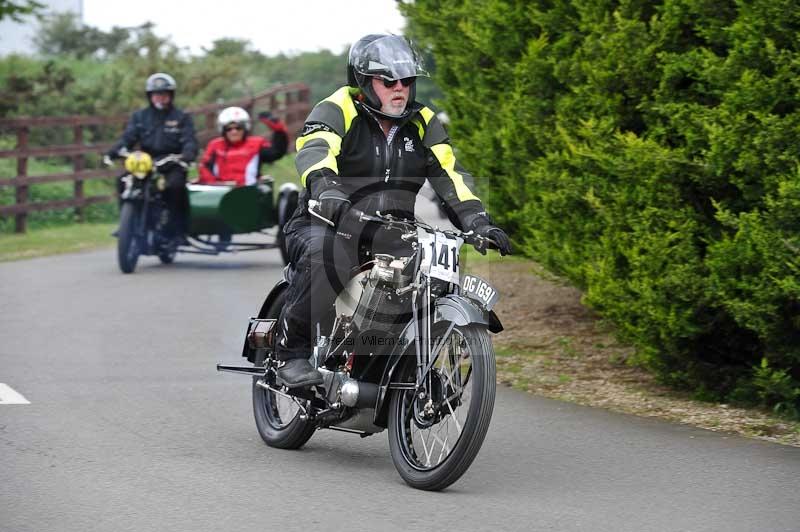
<point>233,128</point>
<point>389,83</point>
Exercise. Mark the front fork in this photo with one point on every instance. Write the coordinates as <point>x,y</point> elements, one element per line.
<point>422,339</point>
<point>137,194</point>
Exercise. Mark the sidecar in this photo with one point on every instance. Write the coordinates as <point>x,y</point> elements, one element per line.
<point>218,212</point>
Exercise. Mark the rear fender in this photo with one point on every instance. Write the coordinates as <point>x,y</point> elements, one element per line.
<point>276,291</point>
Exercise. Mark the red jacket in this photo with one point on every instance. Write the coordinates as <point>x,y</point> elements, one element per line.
<point>240,162</point>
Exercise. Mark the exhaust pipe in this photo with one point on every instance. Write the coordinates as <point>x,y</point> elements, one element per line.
<point>359,394</point>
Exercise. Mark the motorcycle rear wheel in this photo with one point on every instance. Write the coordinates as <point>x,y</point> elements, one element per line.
<point>127,241</point>
<point>277,417</point>
<point>464,388</point>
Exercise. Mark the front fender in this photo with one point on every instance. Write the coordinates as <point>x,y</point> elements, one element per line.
<point>462,311</point>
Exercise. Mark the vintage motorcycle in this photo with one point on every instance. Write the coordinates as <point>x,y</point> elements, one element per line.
<point>216,213</point>
<point>144,219</point>
<point>409,350</point>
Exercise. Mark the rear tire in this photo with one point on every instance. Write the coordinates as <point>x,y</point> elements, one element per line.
<point>413,459</point>
<point>270,409</point>
<point>127,241</point>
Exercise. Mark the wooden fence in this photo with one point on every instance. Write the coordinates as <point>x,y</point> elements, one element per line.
<point>290,102</point>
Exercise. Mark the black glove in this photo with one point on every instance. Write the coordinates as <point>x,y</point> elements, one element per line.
<point>495,233</point>
<point>333,203</point>
<point>272,122</point>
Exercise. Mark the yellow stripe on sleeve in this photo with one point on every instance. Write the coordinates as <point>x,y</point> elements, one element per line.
<point>447,160</point>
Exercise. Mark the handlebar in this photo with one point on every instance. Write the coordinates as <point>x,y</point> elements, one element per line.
<point>164,159</point>
<point>171,158</point>
<point>469,237</point>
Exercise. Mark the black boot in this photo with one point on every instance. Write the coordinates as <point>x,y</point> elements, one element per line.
<point>298,373</point>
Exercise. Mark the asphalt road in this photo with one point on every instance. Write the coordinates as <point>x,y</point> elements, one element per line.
<point>130,427</point>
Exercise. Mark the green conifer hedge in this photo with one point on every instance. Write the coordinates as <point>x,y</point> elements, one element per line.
<point>650,151</point>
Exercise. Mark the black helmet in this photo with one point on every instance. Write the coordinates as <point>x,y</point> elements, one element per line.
<point>160,82</point>
<point>389,57</point>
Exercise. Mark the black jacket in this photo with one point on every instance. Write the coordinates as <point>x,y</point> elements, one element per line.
<point>342,146</point>
<point>159,132</point>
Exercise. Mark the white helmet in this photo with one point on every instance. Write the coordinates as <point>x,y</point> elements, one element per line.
<point>231,115</point>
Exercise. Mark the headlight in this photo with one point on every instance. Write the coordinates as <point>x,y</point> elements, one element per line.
<point>139,164</point>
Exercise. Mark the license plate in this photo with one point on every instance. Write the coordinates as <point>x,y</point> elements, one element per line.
<point>479,290</point>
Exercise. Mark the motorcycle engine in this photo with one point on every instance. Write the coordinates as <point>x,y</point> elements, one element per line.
<point>380,308</point>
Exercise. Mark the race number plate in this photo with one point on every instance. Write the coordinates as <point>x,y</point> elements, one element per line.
<point>440,255</point>
<point>479,290</point>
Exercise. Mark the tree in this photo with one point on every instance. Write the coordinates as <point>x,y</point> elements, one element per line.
<point>16,10</point>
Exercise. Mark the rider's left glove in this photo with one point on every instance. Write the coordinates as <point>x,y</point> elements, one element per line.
<point>497,235</point>
<point>275,124</point>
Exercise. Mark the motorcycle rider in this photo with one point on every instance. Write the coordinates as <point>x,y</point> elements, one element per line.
<point>370,145</point>
<point>161,129</point>
<point>235,157</point>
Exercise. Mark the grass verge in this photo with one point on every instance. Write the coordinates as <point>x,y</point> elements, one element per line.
<point>555,347</point>
<point>51,241</point>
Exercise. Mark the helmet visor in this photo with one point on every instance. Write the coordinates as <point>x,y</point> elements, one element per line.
<point>391,57</point>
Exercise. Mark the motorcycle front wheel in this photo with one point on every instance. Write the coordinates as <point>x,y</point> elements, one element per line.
<point>434,439</point>
<point>278,417</point>
<point>127,242</point>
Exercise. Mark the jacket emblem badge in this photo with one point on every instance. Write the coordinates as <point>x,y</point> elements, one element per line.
<point>409,144</point>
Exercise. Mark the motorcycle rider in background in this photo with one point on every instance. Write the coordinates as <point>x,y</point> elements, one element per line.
<point>371,146</point>
<point>161,129</point>
<point>235,157</point>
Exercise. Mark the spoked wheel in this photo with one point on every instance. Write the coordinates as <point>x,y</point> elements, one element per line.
<point>434,439</point>
<point>277,416</point>
<point>128,247</point>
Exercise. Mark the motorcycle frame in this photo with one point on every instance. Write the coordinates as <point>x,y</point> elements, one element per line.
<point>452,309</point>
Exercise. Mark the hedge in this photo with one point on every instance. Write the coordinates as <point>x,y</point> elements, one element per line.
<point>648,150</point>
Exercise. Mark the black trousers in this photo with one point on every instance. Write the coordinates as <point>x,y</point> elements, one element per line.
<point>177,198</point>
<point>323,262</point>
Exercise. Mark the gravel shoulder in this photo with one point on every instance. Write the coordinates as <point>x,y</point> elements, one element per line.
<point>555,347</point>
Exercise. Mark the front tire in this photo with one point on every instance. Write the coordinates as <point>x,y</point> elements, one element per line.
<point>432,451</point>
<point>277,418</point>
<point>127,242</point>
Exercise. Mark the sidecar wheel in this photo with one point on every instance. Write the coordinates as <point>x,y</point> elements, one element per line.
<point>281,241</point>
<point>127,242</point>
<point>431,451</point>
<point>287,204</point>
<point>278,418</point>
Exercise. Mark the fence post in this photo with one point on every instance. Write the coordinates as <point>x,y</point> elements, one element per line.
<point>210,125</point>
<point>20,219</point>
<point>78,167</point>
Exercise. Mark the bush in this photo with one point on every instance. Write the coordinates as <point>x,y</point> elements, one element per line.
<point>648,151</point>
